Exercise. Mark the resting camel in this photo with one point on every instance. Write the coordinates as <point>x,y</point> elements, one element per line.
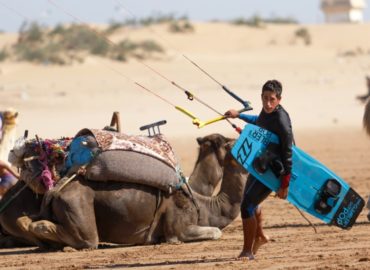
<point>366,123</point>
<point>85,213</point>
<point>211,155</point>
<point>8,124</point>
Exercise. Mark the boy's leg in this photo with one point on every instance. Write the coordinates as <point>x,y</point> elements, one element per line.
<point>249,232</point>
<point>259,217</point>
<point>255,192</point>
<point>261,238</point>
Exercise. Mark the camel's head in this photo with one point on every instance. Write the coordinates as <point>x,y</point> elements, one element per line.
<point>214,144</point>
<point>38,160</point>
<point>221,146</point>
<point>26,158</point>
<point>9,117</point>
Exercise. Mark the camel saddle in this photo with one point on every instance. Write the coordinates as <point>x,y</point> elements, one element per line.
<point>113,156</point>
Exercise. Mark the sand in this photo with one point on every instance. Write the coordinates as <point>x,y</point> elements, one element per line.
<point>321,82</point>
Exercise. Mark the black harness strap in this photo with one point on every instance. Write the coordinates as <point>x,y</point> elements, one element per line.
<point>148,237</point>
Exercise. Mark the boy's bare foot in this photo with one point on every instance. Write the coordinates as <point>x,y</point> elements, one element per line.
<point>246,255</point>
<point>260,241</point>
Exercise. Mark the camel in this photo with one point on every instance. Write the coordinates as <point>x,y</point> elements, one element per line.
<point>85,213</point>
<point>210,159</point>
<point>366,123</point>
<point>8,124</point>
<point>363,98</point>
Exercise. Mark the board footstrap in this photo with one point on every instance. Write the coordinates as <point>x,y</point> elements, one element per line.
<point>349,210</point>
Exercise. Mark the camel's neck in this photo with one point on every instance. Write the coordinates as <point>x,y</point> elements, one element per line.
<point>222,209</point>
<point>206,174</point>
<point>366,117</point>
<point>7,141</point>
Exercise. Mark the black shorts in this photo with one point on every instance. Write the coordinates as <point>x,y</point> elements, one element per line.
<point>254,193</point>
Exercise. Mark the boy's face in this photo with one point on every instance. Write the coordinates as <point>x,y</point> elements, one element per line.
<point>269,101</point>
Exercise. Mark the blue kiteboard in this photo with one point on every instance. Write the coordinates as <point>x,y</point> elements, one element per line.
<point>313,187</point>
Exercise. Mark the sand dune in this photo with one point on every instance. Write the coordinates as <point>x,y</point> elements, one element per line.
<point>320,85</point>
<point>321,82</point>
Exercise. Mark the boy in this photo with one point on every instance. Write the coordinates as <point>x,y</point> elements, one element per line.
<point>274,118</point>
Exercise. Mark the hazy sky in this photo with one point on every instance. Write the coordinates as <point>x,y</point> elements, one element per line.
<point>14,12</point>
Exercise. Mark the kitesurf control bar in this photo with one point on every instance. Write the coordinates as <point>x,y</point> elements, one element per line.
<point>246,104</point>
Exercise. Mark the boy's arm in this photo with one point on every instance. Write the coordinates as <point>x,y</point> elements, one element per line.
<point>286,142</point>
<point>6,167</point>
<point>252,119</point>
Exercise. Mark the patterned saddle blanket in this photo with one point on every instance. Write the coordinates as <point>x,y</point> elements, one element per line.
<point>124,158</point>
<point>156,146</point>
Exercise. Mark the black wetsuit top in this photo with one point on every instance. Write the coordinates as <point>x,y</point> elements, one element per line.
<point>277,122</point>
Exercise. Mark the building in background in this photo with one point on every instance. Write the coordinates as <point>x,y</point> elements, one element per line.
<point>337,11</point>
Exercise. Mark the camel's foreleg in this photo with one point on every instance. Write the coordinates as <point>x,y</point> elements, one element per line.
<point>23,224</point>
<point>199,233</point>
<point>56,233</point>
<point>44,232</point>
<point>48,231</point>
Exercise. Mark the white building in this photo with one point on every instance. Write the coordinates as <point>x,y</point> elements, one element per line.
<point>337,11</point>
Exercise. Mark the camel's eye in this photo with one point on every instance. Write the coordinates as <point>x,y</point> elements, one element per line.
<point>30,162</point>
<point>26,165</point>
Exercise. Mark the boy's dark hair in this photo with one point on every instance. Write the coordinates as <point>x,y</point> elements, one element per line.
<point>273,86</point>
